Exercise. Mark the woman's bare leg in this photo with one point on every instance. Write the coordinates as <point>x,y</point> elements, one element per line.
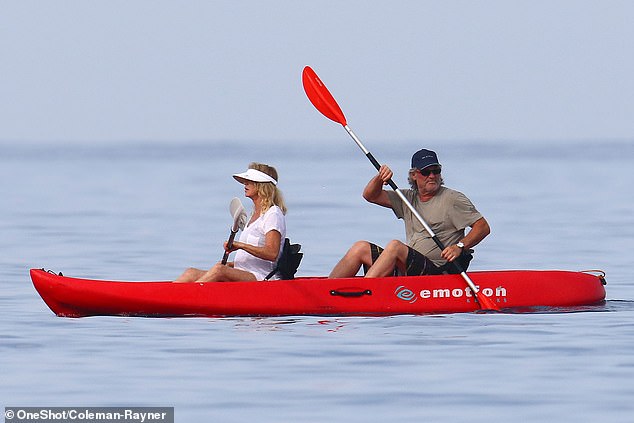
<point>191,275</point>
<point>220,273</point>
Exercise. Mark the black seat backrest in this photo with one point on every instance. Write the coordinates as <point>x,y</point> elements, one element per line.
<point>288,262</point>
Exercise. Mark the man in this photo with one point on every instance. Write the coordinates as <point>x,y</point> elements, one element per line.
<point>447,212</point>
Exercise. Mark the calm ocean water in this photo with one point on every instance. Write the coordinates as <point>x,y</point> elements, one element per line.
<point>147,211</point>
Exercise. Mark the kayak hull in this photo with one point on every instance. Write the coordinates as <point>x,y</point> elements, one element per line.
<point>508,289</point>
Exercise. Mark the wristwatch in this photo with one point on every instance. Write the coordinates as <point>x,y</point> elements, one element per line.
<point>460,244</point>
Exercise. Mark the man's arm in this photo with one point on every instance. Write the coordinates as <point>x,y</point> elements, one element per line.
<point>374,192</point>
<point>479,230</point>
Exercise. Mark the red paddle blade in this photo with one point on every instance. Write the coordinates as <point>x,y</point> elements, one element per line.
<point>486,303</point>
<point>321,98</point>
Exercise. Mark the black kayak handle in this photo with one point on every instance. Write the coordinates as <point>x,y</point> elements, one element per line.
<point>350,294</point>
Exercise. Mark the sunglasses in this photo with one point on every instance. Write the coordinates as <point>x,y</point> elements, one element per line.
<point>427,172</point>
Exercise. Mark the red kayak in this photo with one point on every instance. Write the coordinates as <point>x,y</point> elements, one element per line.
<point>508,289</point>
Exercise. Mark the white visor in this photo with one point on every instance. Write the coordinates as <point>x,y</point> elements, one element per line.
<point>254,175</point>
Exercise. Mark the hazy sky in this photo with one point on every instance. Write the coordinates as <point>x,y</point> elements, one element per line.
<point>231,70</point>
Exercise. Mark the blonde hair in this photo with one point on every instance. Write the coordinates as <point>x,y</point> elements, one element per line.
<point>269,194</point>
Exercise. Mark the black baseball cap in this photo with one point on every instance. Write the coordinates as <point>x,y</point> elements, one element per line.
<point>424,158</point>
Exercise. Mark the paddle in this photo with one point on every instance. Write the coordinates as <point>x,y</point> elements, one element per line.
<point>323,101</point>
<point>239,222</point>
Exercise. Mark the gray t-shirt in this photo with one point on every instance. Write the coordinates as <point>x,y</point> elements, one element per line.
<point>447,213</point>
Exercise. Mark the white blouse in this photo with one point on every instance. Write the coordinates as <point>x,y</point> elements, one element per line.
<point>255,234</point>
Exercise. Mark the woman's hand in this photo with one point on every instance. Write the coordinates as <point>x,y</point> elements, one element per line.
<point>234,246</point>
<point>269,251</point>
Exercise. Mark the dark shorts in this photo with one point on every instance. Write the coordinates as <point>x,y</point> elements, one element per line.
<point>418,264</point>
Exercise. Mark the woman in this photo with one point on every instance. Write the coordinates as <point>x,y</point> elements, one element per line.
<point>261,242</point>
